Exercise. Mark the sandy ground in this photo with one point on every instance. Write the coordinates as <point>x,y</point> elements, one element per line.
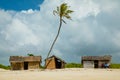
<point>61,74</point>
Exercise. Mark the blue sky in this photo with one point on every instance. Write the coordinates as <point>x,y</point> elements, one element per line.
<point>29,26</point>
<point>19,5</point>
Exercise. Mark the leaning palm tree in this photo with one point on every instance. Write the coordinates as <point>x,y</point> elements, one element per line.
<point>63,12</point>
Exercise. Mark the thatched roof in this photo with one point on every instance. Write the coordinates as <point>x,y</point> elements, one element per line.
<point>25,59</point>
<point>106,57</point>
<point>16,59</point>
<point>56,58</point>
<point>32,58</point>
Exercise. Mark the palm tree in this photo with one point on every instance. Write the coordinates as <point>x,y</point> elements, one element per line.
<point>63,12</point>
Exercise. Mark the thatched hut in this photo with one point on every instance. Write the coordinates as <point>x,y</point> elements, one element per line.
<point>95,61</point>
<point>54,62</point>
<point>25,63</point>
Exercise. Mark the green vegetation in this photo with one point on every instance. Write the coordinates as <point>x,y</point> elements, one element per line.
<point>76,65</point>
<point>42,67</point>
<point>29,54</point>
<point>68,65</point>
<point>4,67</point>
<point>115,66</point>
<point>73,65</point>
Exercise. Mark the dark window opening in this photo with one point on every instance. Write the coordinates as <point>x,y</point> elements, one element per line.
<point>58,64</point>
<point>25,65</point>
<point>96,64</point>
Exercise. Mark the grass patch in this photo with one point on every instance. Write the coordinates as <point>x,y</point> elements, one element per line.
<point>73,65</point>
<point>4,67</point>
<point>115,66</point>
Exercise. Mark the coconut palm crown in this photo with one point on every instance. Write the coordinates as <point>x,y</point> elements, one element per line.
<point>63,11</point>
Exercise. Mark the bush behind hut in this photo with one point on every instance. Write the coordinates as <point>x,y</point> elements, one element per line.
<point>4,67</point>
<point>115,66</point>
<point>73,65</point>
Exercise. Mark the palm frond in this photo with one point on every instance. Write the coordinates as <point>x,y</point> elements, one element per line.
<point>58,9</point>
<point>69,11</point>
<point>55,12</point>
<point>63,5</point>
<point>64,21</point>
<point>68,17</point>
<point>63,11</point>
<point>63,8</point>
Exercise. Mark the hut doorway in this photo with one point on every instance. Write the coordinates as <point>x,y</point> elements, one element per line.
<point>58,63</point>
<point>25,65</point>
<point>96,64</point>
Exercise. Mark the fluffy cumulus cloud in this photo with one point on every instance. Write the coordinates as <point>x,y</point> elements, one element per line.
<point>93,30</point>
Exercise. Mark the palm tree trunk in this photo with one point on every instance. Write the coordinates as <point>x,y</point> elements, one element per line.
<point>55,39</point>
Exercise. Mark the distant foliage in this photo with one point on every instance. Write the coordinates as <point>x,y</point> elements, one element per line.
<point>29,54</point>
<point>4,67</point>
<point>42,67</point>
<point>73,65</point>
<point>115,66</point>
<point>76,65</point>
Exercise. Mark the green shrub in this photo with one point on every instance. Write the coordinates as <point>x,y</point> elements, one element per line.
<point>4,67</point>
<point>115,66</point>
<point>42,67</point>
<point>73,65</point>
<point>29,54</point>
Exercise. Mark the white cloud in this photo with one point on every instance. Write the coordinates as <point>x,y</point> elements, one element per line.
<point>20,33</point>
<point>89,32</point>
<point>30,11</point>
<point>108,5</point>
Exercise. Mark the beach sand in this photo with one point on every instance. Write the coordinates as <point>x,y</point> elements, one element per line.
<point>61,74</point>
